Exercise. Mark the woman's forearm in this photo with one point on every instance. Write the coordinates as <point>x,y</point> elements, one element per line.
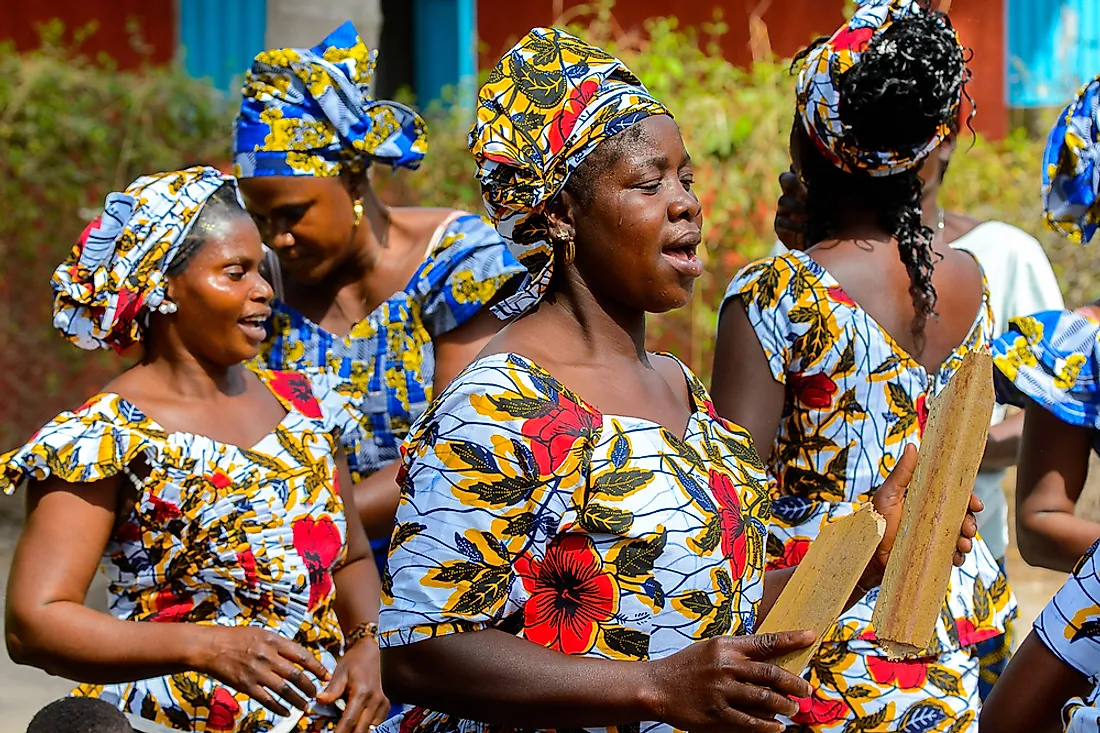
<point>496,678</point>
<point>70,640</point>
<point>357,592</point>
<point>376,499</point>
<point>1055,539</point>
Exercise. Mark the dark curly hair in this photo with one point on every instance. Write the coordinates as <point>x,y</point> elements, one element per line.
<point>907,83</point>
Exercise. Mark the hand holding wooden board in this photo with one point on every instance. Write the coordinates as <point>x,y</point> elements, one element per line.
<point>915,584</point>
<point>825,579</point>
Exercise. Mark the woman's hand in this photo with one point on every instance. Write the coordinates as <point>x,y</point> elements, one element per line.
<point>726,684</point>
<point>358,681</point>
<point>258,662</point>
<point>790,212</point>
<point>889,500</point>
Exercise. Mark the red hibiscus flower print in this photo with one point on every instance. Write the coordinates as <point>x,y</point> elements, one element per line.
<point>170,607</point>
<point>815,391</point>
<point>318,544</point>
<point>567,120</point>
<point>247,561</point>
<point>733,524</point>
<point>224,710</point>
<point>554,433</point>
<point>970,634</point>
<point>221,480</point>
<point>412,720</point>
<point>922,414</point>
<point>816,710</point>
<point>837,295</point>
<point>793,553</point>
<point>129,532</point>
<point>571,595</point>
<point>163,511</point>
<point>908,674</point>
<point>295,389</point>
<point>848,39</point>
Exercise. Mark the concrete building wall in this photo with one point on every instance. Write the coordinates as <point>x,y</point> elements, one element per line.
<point>302,23</point>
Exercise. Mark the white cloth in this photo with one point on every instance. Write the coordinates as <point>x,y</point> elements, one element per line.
<point>1021,282</point>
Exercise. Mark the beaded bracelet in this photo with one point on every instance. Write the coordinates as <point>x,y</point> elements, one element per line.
<point>367,629</point>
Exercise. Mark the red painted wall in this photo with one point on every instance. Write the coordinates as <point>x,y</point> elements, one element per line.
<point>791,24</point>
<point>156,19</point>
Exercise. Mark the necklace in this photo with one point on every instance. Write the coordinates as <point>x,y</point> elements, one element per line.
<point>939,218</point>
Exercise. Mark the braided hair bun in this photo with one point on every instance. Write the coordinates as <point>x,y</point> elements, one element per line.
<point>905,85</point>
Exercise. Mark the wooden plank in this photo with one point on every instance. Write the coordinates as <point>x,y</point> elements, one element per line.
<point>915,585</point>
<point>825,579</point>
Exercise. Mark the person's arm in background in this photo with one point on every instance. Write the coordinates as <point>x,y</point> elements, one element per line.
<point>1031,288</point>
<point>1053,468</point>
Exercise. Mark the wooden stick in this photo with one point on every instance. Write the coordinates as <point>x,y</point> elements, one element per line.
<point>824,581</point>
<point>915,585</point>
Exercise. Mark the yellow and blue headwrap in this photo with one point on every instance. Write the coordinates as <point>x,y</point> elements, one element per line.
<point>117,268</point>
<point>545,107</point>
<point>818,97</point>
<point>1071,176</point>
<point>309,112</point>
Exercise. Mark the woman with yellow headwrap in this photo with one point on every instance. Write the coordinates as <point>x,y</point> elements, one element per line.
<point>830,355</point>
<point>242,597</point>
<point>387,303</point>
<point>580,539</point>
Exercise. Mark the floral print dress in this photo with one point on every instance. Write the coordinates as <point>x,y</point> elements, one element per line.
<point>855,399</point>
<point>218,535</point>
<point>385,366</point>
<point>524,509</point>
<point>1053,359</point>
<point>1069,626</point>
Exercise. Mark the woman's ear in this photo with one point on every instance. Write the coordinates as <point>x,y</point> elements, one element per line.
<point>357,184</point>
<point>560,218</point>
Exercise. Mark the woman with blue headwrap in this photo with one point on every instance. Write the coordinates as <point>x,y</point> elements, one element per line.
<point>242,597</point>
<point>1049,363</point>
<point>580,539</point>
<point>387,304</point>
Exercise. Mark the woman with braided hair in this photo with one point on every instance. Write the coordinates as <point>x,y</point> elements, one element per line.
<point>855,334</point>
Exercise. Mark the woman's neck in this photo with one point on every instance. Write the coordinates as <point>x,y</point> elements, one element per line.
<point>604,328</point>
<point>188,376</point>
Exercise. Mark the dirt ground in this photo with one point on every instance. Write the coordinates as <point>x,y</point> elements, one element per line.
<point>24,690</point>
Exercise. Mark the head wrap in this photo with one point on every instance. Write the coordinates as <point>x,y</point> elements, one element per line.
<point>1071,177</point>
<point>309,112</point>
<point>818,97</point>
<point>117,267</point>
<point>546,106</point>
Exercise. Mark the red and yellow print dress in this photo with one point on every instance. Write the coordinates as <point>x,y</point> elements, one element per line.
<point>525,509</point>
<point>218,535</point>
<point>855,399</point>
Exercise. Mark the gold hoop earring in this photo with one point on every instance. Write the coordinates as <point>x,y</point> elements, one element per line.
<point>357,207</point>
<point>570,251</point>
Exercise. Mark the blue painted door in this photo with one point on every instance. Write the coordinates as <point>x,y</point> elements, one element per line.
<point>445,42</point>
<point>1053,48</point>
<point>219,38</point>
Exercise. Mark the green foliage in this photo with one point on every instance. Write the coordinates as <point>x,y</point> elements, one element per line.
<point>70,132</point>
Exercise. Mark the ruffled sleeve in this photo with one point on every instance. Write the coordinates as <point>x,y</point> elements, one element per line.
<point>1070,624</point>
<point>1052,358</point>
<point>776,292</point>
<point>463,273</point>
<point>492,473</point>
<point>314,393</point>
<point>95,442</point>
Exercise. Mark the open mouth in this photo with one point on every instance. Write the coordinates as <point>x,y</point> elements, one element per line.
<point>253,326</point>
<point>685,257</point>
